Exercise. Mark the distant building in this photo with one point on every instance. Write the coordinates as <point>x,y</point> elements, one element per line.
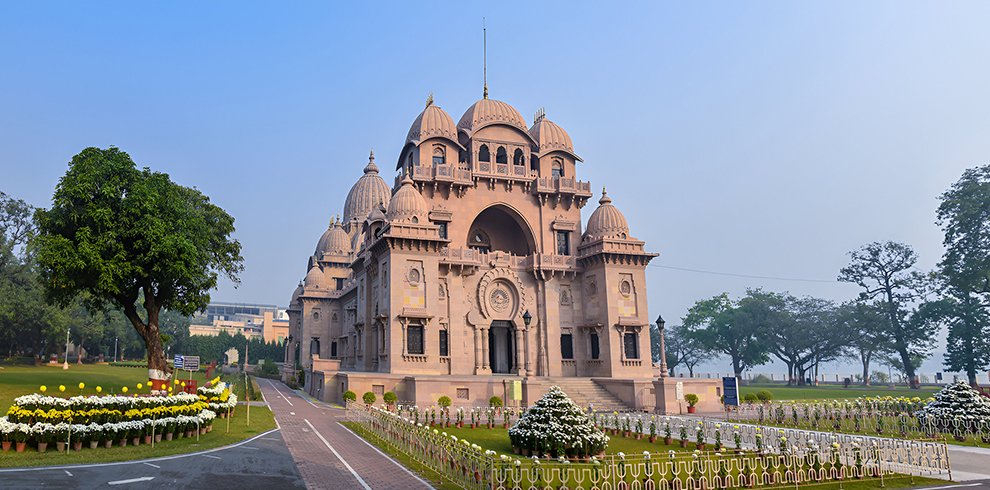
<point>269,322</point>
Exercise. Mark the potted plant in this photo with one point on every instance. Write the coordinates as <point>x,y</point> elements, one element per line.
<point>349,396</point>
<point>148,431</point>
<point>639,429</point>
<point>489,414</point>
<point>444,403</point>
<point>136,429</point>
<point>80,434</point>
<point>667,438</point>
<point>506,416</point>
<point>474,421</point>
<point>460,418</point>
<point>369,398</point>
<point>389,398</point>
<point>43,434</point>
<point>684,436</point>
<point>20,435</point>
<point>653,430</point>
<point>699,434</point>
<point>496,403</point>
<point>692,400</point>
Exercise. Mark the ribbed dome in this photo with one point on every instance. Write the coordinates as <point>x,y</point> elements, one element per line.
<point>295,294</point>
<point>367,192</point>
<point>551,137</point>
<point>433,122</point>
<point>486,112</point>
<point>314,278</point>
<point>333,241</point>
<point>607,221</point>
<point>407,204</point>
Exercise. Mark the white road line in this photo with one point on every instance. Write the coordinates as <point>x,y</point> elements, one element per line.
<point>341,458</point>
<point>249,447</point>
<point>414,475</point>
<point>213,457</point>
<point>67,472</point>
<point>952,486</point>
<point>280,393</point>
<point>132,480</point>
<point>121,463</point>
<point>153,465</point>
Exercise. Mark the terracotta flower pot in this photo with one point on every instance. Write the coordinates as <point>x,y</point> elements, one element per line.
<point>147,439</point>
<point>77,446</point>
<point>639,436</point>
<point>107,443</point>
<point>123,442</point>
<point>136,441</point>
<point>202,431</point>
<point>169,435</point>
<point>701,446</point>
<point>158,437</point>
<point>691,409</point>
<point>188,433</point>
<point>683,443</point>
<point>19,446</point>
<point>43,446</point>
<point>653,439</point>
<point>6,446</point>
<point>668,440</point>
<point>93,444</point>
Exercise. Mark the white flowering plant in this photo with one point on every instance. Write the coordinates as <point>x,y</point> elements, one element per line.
<point>557,426</point>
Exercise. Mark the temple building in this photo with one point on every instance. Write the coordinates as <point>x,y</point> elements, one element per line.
<point>473,275</point>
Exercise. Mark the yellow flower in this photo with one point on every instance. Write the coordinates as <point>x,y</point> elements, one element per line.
<point>82,385</point>
<point>176,381</point>
<point>99,389</point>
<point>44,388</point>
<point>61,387</point>
<point>183,384</point>
<point>124,389</point>
<point>139,386</point>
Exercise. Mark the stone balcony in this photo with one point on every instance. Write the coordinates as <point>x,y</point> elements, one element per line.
<point>468,257</point>
<point>563,185</point>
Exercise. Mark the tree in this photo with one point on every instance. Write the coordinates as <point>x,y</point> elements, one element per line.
<point>870,341</point>
<point>734,329</point>
<point>964,215</point>
<point>116,234</point>
<point>885,272</point>
<point>682,348</point>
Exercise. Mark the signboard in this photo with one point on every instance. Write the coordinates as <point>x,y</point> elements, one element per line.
<point>190,363</point>
<point>679,391</point>
<point>730,388</point>
<point>938,377</point>
<point>517,390</point>
<point>178,361</point>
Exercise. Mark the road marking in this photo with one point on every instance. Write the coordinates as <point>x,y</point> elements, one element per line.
<point>132,480</point>
<point>341,458</point>
<point>292,413</point>
<point>67,472</point>
<point>153,465</point>
<point>214,457</point>
<point>952,486</point>
<point>424,482</point>
<point>279,392</point>
<point>250,447</point>
<point>121,463</point>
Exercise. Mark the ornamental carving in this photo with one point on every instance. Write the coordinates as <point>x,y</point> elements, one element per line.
<point>625,288</point>
<point>414,276</point>
<point>501,295</point>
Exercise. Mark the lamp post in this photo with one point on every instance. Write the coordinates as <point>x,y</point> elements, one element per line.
<point>65,364</point>
<point>527,318</point>
<point>663,348</point>
<point>115,349</point>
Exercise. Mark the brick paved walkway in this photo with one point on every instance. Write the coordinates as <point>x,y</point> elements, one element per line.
<point>326,453</point>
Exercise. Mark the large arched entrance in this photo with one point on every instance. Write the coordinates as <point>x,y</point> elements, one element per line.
<point>501,228</point>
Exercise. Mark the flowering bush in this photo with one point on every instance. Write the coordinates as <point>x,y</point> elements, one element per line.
<point>956,408</point>
<point>557,426</point>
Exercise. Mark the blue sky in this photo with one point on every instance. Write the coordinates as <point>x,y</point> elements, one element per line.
<point>758,138</point>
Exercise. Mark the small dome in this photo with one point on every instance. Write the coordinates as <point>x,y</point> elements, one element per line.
<point>295,294</point>
<point>550,137</point>
<point>407,204</point>
<point>366,193</point>
<point>433,122</point>
<point>333,241</point>
<point>486,112</point>
<point>314,278</point>
<point>607,221</point>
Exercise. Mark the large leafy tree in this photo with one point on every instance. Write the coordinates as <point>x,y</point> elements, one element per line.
<point>117,234</point>
<point>964,215</point>
<point>869,340</point>
<point>886,272</point>
<point>736,329</point>
<point>682,348</point>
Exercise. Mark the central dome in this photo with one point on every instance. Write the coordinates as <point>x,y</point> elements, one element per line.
<point>486,112</point>
<point>369,191</point>
<point>433,122</point>
<point>333,241</point>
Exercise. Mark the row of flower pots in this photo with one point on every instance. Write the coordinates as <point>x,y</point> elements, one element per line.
<point>21,446</point>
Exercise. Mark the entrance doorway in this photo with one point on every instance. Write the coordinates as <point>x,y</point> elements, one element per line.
<point>500,347</point>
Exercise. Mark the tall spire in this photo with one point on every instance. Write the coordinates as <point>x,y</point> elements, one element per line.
<point>484,31</point>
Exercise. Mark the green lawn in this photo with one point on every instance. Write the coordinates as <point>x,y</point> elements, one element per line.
<point>824,392</point>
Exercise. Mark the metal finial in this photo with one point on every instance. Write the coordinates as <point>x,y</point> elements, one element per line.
<point>429,99</point>
<point>484,31</point>
<point>371,156</point>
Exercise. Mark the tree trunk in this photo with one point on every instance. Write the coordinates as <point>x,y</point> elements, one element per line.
<point>864,357</point>
<point>790,373</point>
<point>158,369</point>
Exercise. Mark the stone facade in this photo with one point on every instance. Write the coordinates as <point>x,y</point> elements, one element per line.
<point>474,268</point>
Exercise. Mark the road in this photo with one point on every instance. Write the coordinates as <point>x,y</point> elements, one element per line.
<point>327,454</point>
<point>261,463</point>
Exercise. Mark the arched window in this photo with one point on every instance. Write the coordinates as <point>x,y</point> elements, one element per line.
<point>518,158</point>
<point>501,156</point>
<point>483,154</point>
<point>534,163</point>
<point>479,241</point>
<point>558,168</point>
<point>439,155</point>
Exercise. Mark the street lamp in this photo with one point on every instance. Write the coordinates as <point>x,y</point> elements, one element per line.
<point>115,349</point>
<point>663,348</point>
<point>527,318</point>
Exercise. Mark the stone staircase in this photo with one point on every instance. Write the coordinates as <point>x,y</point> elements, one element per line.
<point>585,392</point>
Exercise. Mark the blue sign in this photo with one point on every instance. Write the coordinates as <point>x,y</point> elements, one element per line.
<point>178,361</point>
<point>730,388</point>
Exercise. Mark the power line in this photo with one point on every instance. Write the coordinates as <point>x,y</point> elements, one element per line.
<point>746,276</point>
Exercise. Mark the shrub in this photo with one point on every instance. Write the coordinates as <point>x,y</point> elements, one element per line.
<point>691,399</point>
<point>369,398</point>
<point>268,370</point>
<point>350,396</point>
<point>761,379</point>
<point>764,396</point>
<point>443,401</point>
<point>495,402</point>
<point>389,398</point>
<point>557,426</point>
<point>750,398</point>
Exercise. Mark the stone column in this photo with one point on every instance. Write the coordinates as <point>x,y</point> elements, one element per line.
<point>477,350</point>
<point>529,365</point>
<point>663,353</point>
<point>484,350</point>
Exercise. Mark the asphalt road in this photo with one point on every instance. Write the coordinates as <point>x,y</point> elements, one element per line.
<point>260,463</point>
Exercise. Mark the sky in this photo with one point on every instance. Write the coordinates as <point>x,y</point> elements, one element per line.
<point>746,138</point>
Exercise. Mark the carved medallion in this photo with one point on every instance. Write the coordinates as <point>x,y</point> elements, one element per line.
<point>625,288</point>
<point>500,299</point>
<point>414,276</point>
